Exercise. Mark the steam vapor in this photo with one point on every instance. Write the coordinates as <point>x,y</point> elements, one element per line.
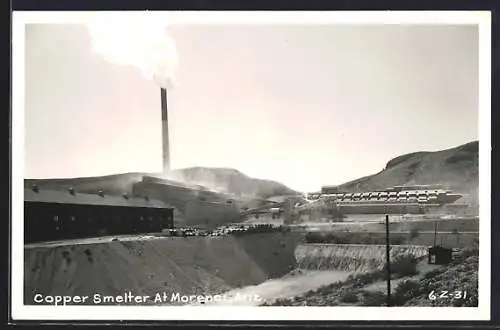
<point>140,42</point>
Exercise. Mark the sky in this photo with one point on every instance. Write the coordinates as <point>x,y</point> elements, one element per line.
<point>304,105</point>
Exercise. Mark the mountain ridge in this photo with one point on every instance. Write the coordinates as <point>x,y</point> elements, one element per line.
<point>232,181</point>
<point>223,180</point>
<point>454,168</point>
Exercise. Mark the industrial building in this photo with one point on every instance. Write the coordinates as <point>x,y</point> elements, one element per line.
<point>198,206</point>
<point>394,200</point>
<point>53,215</point>
<point>407,196</point>
<point>334,204</point>
<point>57,212</point>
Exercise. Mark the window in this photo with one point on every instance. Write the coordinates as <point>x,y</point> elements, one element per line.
<point>56,218</point>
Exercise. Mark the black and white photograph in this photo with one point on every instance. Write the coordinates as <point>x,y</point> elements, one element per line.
<point>251,165</point>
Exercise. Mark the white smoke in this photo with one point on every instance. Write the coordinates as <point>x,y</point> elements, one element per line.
<point>142,42</point>
<point>206,179</point>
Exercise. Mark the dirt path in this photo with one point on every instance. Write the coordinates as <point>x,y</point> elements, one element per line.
<point>92,240</point>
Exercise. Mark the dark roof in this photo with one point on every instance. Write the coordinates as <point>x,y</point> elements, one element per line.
<point>65,197</point>
<point>439,249</point>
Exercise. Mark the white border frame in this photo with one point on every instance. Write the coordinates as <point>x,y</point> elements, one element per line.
<point>482,312</point>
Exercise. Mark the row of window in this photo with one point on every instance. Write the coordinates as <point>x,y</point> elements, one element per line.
<point>149,221</point>
<point>73,218</point>
<point>385,200</point>
<point>385,194</point>
<point>45,224</point>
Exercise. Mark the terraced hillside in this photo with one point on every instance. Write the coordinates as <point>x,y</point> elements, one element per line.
<point>455,168</point>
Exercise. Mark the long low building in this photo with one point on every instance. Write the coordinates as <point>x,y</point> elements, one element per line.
<point>395,195</point>
<point>333,203</point>
<point>55,215</point>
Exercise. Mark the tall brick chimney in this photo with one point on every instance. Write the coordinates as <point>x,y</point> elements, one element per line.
<point>164,123</point>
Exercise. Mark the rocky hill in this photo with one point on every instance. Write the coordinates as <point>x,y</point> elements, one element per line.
<point>231,181</point>
<point>455,168</point>
<point>218,179</point>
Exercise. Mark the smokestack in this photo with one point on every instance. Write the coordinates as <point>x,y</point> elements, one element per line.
<point>164,123</point>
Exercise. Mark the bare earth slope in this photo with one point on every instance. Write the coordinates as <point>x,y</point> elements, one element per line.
<point>187,266</point>
<point>455,168</point>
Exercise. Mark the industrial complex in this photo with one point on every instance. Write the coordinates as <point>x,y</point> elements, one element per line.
<point>189,238</point>
<point>51,214</point>
<point>154,199</point>
<point>333,204</point>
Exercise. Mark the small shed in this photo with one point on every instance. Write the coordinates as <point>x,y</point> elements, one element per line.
<point>439,255</point>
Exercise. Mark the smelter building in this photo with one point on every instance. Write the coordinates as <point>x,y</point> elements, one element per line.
<point>54,215</point>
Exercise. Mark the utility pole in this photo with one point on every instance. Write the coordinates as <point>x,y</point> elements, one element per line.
<point>435,232</point>
<point>388,259</point>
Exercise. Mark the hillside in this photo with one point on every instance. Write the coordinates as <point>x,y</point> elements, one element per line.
<point>411,286</point>
<point>219,179</point>
<point>455,168</point>
<point>231,181</point>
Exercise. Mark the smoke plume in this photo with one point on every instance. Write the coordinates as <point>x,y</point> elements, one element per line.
<point>141,42</point>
